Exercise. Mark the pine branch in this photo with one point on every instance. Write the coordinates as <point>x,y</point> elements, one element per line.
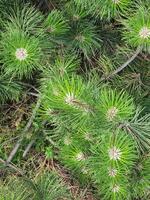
<point>15,149</point>
<point>136,53</point>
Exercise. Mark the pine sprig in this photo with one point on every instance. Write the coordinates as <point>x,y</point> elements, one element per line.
<point>69,97</point>
<point>65,64</point>
<point>26,18</point>
<point>109,9</point>
<point>84,39</point>
<point>137,28</point>
<point>20,53</point>
<point>115,106</point>
<point>56,25</point>
<point>139,128</point>
<point>75,13</point>
<point>112,158</point>
<point>74,155</point>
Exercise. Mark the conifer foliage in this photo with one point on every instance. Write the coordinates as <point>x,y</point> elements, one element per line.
<point>88,62</point>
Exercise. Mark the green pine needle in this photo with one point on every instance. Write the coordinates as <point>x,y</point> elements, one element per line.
<point>26,18</point>
<point>113,156</point>
<point>73,155</point>
<point>137,28</point>
<point>20,54</point>
<point>84,39</point>
<point>109,9</point>
<point>56,24</point>
<point>49,186</point>
<point>9,90</point>
<point>69,97</point>
<point>114,150</point>
<point>139,128</point>
<point>115,106</point>
<point>75,13</point>
<point>65,64</point>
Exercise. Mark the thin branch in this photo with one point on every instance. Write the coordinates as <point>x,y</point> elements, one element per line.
<point>28,148</point>
<point>33,94</point>
<point>136,53</point>
<point>15,149</point>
